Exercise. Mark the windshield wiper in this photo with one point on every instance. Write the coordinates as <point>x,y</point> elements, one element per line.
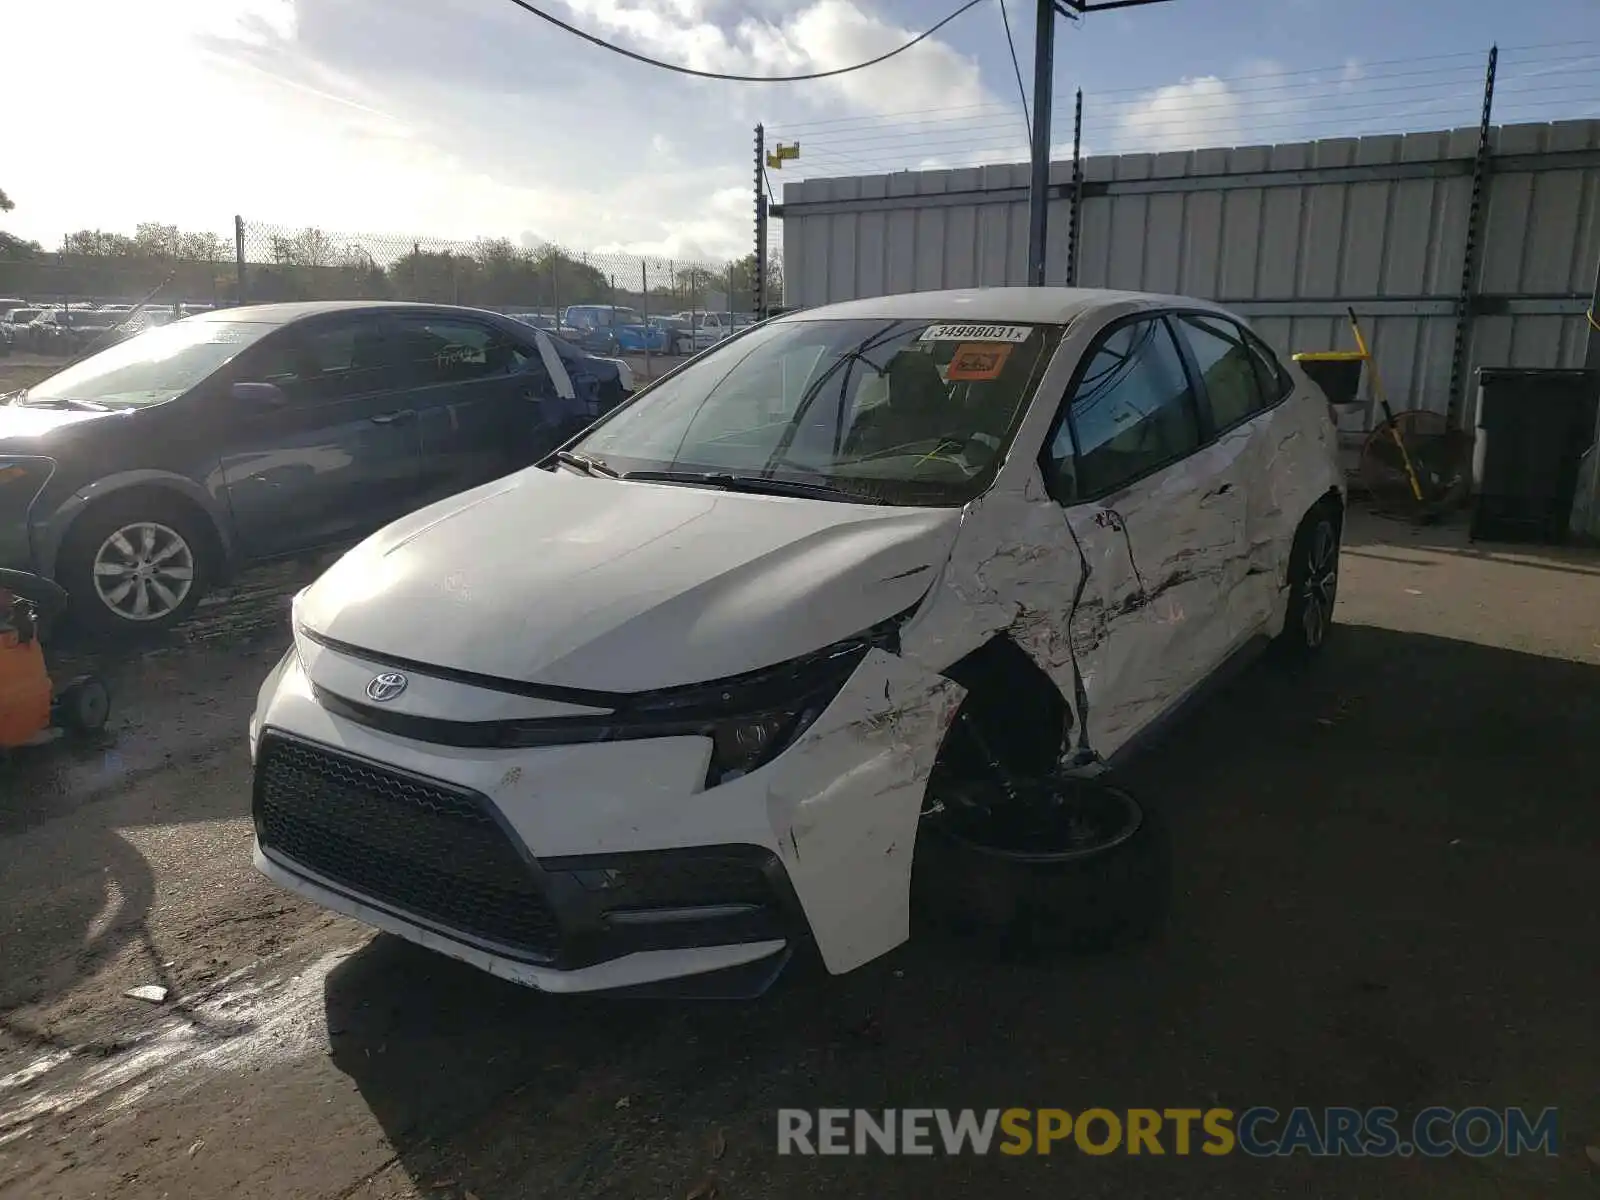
<point>762,485</point>
<point>588,464</point>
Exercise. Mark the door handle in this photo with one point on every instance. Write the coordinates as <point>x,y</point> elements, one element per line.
<point>392,418</point>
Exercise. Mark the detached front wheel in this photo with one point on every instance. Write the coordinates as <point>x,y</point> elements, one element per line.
<point>1052,864</point>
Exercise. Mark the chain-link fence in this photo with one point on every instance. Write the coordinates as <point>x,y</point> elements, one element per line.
<point>262,263</point>
<point>95,267</point>
<point>308,263</point>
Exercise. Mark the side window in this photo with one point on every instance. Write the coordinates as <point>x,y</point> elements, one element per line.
<point>1276,382</point>
<point>450,350</point>
<point>327,363</point>
<point>1228,366</point>
<point>1133,411</point>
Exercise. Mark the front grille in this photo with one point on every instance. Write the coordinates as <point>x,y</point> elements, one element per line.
<point>422,848</point>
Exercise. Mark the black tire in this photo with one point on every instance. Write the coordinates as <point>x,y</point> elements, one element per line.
<point>89,537</point>
<point>84,705</point>
<point>1313,579</point>
<point>1022,907</point>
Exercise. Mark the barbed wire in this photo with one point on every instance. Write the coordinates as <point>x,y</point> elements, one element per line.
<point>1536,83</point>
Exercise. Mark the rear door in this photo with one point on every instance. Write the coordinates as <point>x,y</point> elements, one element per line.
<point>485,403</point>
<point>1127,460</point>
<point>340,456</point>
<point>1240,392</point>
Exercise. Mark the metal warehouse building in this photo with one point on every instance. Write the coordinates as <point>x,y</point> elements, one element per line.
<point>1289,235</point>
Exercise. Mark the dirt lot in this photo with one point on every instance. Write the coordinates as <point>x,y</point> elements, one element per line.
<point>24,370</point>
<point>1385,896</point>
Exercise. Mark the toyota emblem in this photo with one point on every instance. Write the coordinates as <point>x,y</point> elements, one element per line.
<point>386,687</point>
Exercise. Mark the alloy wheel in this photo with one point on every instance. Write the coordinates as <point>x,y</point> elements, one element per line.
<point>1321,583</point>
<point>144,571</point>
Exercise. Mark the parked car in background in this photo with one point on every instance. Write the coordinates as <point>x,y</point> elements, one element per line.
<point>538,320</point>
<point>69,331</point>
<point>786,639</point>
<point>596,326</point>
<point>144,474</point>
<point>646,337</point>
<point>709,327</point>
<point>13,324</point>
<point>682,334</point>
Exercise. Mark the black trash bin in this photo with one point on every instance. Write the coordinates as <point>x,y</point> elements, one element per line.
<point>1534,425</point>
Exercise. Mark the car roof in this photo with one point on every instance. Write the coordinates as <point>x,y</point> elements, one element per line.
<point>282,314</point>
<point>1046,305</point>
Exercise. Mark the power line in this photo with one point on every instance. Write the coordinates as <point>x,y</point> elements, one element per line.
<point>682,70</point>
<point>1388,62</point>
<point>1022,92</point>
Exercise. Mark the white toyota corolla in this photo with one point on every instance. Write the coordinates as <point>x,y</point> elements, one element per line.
<point>667,707</point>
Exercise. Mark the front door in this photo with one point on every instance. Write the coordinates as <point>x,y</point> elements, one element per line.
<point>339,456</point>
<point>1138,490</point>
<point>1241,389</point>
<point>485,403</point>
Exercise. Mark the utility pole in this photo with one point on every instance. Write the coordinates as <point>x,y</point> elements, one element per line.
<point>1044,65</point>
<point>759,283</point>
<point>1044,68</point>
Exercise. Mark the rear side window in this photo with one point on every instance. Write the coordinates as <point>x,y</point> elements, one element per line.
<point>1276,382</point>
<point>446,350</point>
<point>1229,367</point>
<point>1133,412</point>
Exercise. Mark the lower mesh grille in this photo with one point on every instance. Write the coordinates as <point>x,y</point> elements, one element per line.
<point>421,848</point>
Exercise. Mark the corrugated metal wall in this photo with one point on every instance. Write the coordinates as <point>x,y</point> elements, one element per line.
<point>1289,235</point>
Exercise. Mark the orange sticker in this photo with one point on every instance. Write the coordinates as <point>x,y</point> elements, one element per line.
<point>976,362</point>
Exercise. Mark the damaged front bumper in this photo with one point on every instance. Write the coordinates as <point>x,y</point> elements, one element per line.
<point>608,865</point>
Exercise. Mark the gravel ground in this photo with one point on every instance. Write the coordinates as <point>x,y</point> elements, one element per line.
<point>1385,882</point>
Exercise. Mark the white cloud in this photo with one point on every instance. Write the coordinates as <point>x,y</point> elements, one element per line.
<point>456,118</point>
<point>1183,116</point>
<point>820,36</point>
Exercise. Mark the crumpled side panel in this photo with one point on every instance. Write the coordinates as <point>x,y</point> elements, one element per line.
<point>846,803</point>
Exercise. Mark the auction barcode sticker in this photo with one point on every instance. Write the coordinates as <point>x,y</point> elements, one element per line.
<point>976,333</point>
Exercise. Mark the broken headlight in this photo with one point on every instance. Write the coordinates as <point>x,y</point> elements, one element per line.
<point>750,719</point>
<point>741,745</point>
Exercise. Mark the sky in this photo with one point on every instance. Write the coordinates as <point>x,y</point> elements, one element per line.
<point>471,118</point>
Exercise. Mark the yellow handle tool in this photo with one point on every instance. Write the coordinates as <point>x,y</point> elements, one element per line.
<point>1388,413</point>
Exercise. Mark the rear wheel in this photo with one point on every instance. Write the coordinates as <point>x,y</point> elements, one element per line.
<point>136,566</point>
<point>1313,583</point>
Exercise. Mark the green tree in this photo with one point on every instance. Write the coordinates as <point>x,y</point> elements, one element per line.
<point>11,246</point>
<point>309,247</point>
<point>97,243</point>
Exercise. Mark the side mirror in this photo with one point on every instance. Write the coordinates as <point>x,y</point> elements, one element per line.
<point>264,395</point>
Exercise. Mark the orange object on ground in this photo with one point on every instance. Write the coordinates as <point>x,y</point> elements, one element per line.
<point>24,686</point>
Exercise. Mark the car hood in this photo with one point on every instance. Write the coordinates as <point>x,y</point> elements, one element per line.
<point>22,426</point>
<point>582,582</point>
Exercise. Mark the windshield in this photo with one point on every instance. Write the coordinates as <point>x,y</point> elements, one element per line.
<point>891,411</point>
<point>153,367</point>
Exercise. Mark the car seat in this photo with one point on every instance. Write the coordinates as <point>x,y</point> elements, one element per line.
<point>917,407</point>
